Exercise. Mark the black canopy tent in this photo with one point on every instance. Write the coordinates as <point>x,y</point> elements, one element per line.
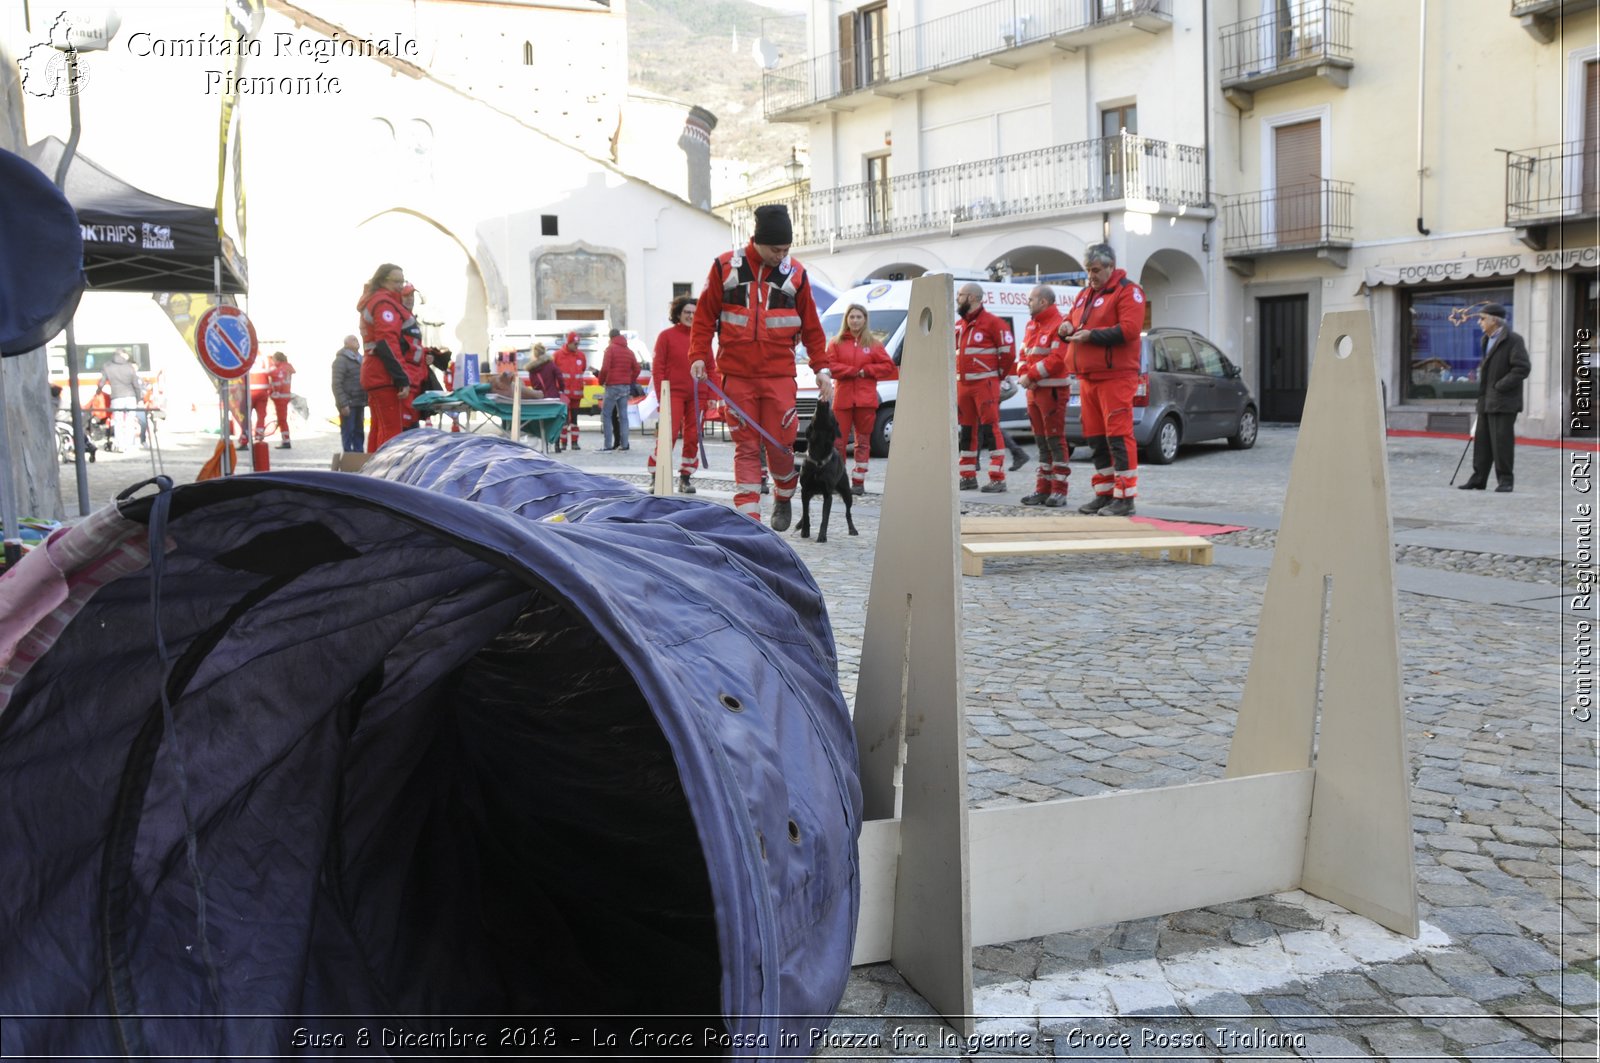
<point>137,242</point>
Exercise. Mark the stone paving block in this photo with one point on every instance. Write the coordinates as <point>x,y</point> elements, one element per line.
<point>1441,876</point>
<point>1450,896</point>
<point>1250,931</point>
<point>1332,989</point>
<point>1526,835</point>
<point>1550,1023</point>
<point>1572,988</point>
<point>1409,980</point>
<point>1463,921</point>
<point>1402,1041</point>
<point>1452,842</point>
<point>1321,1046</point>
<point>1438,1005</point>
<point>1294,1013</point>
<point>1514,955</point>
<point>1288,915</point>
<point>1215,1006</point>
<point>1474,1031</point>
<point>1510,1050</point>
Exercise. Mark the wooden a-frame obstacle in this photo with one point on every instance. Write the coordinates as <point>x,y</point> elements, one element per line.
<point>1322,807</point>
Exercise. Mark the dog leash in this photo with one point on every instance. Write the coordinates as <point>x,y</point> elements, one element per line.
<point>745,417</point>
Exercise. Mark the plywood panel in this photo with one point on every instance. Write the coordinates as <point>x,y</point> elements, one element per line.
<point>1331,592</point>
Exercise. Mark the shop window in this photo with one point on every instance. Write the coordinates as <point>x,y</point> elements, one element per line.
<point>1441,341</point>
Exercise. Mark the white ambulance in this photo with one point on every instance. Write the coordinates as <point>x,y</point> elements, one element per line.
<point>888,303</point>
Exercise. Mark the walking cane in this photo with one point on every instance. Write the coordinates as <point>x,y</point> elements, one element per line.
<point>1472,433</point>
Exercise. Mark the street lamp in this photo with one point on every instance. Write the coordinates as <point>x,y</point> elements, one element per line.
<point>793,169</point>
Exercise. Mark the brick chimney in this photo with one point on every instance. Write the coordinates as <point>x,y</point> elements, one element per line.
<point>695,140</point>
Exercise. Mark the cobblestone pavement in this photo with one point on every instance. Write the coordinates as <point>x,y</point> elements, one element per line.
<point>1066,697</point>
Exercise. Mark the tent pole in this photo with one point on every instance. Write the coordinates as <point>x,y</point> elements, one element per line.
<point>225,387</point>
<point>8,494</point>
<point>67,154</point>
<point>78,446</point>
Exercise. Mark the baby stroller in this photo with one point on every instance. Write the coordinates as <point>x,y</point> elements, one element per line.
<point>96,428</point>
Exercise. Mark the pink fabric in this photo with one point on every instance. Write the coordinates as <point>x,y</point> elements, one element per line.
<point>41,594</point>
<point>1183,527</point>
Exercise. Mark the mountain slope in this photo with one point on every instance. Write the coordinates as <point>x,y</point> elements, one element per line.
<point>701,52</point>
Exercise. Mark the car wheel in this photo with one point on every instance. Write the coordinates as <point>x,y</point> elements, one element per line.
<point>882,429</point>
<point>1245,438</point>
<point>1164,444</point>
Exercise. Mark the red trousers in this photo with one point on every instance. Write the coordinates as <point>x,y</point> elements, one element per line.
<point>1047,416</point>
<point>387,417</point>
<point>281,406</point>
<point>862,419</point>
<point>769,402</point>
<point>1107,413</point>
<point>685,426</point>
<point>258,414</point>
<point>978,404</point>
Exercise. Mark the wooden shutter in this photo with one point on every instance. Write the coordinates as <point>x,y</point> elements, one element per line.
<point>1297,154</point>
<point>847,52</point>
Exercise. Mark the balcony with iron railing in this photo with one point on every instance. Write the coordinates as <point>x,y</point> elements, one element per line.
<point>1304,39</point>
<point>1314,216</point>
<point>1550,185</point>
<point>1542,18</point>
<point>1003,33</point>
<point>1077,177</point>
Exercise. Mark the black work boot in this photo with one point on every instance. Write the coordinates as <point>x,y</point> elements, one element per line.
<point>1096,504</point>
<point>780,515</point>
<point>684,486</point>
<point>993,487</point>
<point>969,483</point>
<point>1038,498</point>
<point>1119,507</point>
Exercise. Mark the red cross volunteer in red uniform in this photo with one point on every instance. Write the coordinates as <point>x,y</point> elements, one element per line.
<point>1043,373</point>
<point>985,354</point>
<point>383,317</point>
<point>857,362</point>
<point>1102,332</point>
<point>573,365</point>
<point>757,303</point>
<point>671,364</point>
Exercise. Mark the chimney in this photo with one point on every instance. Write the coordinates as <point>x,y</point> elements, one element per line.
<point>695,140</point>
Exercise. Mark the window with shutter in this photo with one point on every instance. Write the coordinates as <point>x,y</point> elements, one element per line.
<point>847,52</point>
<point>1591,137</point>
<point>1297,163</point>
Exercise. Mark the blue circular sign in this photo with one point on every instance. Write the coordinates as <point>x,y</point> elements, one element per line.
<point>225,340</point>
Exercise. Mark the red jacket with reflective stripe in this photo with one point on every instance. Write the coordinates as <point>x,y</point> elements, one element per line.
<point>383,315</point>
<point>574,366</point>
<point>856,371</point>
<point>1043,350</point>
<point>757,312</point>
<point>985,347</point>
<point>278,379</point>
<point>1114,316</point>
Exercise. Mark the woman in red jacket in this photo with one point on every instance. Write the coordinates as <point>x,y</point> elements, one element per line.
<point>671,364</point>
<point>858,362</point>
<point>383,321</point>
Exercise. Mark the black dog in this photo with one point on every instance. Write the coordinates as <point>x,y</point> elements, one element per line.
<point>822,473</point>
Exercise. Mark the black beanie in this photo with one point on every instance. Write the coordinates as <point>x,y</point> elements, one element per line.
<point>772,226</point>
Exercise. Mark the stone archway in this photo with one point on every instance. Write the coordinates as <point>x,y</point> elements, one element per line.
<point>1022,264</point>
<point>1175,286</point>
<point>453,304</point>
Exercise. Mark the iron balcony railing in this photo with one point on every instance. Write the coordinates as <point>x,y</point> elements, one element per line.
<point>985,30</point>
<point>1302,33</point>
<point>1549,7</point>
<point>1295,217</point>
<point>1551,183</point>
<point>1048,180</point>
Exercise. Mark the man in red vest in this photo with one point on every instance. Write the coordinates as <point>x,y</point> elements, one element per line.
<point>573,365</point>
<point>758,303</point>
<point>1102,331</point>
<point>985,352</point>
<point>1043,374</point>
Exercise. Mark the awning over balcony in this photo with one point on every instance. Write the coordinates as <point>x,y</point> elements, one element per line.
<point>1466,268</point>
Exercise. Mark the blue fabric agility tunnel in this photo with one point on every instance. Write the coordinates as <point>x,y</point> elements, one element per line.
<point>477,735</point>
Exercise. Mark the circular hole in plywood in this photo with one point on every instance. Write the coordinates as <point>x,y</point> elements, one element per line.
<point>1343,346</point>
<point>926,321</point>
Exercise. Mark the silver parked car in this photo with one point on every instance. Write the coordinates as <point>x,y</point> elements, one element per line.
<point>1192,392</point>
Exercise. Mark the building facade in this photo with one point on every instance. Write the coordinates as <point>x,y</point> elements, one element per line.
<point>491,215</point>
<point>1256,163</point>
<point>1004,138</point>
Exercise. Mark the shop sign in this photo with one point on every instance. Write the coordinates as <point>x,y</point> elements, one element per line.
<point>1457,269</point>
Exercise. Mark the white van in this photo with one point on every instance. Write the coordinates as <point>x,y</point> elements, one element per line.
<point>888,303</point>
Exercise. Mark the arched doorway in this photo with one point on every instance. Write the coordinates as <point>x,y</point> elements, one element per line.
<point>452,306</point>
<point>1175,288</point>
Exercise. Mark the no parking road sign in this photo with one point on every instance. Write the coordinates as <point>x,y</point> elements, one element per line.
<point>226,342</point>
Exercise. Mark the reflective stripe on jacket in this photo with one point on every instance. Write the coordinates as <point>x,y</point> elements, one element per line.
<point>1043,350</point>
<point>985,347</point>
<point>757,312</point>
<point>1114,318</point>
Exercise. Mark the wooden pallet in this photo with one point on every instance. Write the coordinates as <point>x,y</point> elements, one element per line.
<point>991,537</point>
